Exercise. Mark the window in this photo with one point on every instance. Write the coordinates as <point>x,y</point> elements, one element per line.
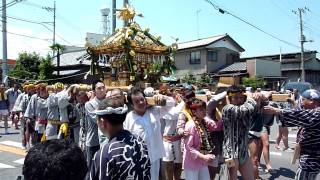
<point>212,56</point>
<point>195,57</point>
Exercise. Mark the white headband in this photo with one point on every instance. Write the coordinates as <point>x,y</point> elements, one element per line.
<point>110,110</point>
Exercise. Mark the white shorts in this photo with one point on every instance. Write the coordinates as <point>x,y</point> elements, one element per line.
<point>4,112</point>
<point>173,151</point>
<point>40,128</point>
<point>51,131</point>
<point>11,107</point>
<point>155,170</point>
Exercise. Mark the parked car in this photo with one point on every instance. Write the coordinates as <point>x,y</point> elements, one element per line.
<point>301,86</point>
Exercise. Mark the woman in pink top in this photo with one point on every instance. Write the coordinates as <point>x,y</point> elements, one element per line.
<point>198,145</point>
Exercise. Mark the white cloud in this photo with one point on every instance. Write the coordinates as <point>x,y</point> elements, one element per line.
<point>18,44</point>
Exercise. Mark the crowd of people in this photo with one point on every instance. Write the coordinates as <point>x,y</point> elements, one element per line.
<point>77,133</point>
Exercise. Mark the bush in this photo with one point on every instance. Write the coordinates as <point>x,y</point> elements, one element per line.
<point>253,82</point>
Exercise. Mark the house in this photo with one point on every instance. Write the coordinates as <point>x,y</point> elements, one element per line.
<point>260,68</point>
<point>74,66</point>
<point>206,55</point>
<point>232,74</point>
<point>94,38</point>
<point>290,65</point>
<point>11,63</point>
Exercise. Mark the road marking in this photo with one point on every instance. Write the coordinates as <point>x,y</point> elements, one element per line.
<point>19,161</point>
<point>13,150</point>
<point>12,143</point>
<point>276,153</point>
<point>292,135</point>
<point>274,141</point>
<point>5,166</point>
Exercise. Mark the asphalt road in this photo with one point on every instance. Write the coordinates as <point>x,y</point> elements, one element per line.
<point>281,160</point>
<point>12,156</point>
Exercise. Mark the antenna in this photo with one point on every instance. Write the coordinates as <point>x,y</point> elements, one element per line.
<point>105,20</point>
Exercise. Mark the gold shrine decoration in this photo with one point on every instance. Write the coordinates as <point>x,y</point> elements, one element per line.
<point>127,13</point>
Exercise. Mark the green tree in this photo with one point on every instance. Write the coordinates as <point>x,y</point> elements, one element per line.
<point>31,66</point>
<point>206,81</point>
<point>46,68</point>
<point>253,82</point>
<point>27,66</point>
<point>188,78</point>
<point>205,78</point>
<point>57,48</point>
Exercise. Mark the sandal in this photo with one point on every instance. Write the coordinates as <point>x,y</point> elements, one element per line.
<point>270,171</point>
<point>290,150</point>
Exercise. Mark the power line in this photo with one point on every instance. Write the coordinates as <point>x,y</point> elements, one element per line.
<point>315,14</point>
<point>282,10</point>
<point>57,35</point>
<point>24,20</point>
<point>42,24</point>
<point>32,37</point>
<point>223,11</point>
<point>292,4</point>
<point>312,31</point>
<point>33,4</point>
<point>310,26</point>
<point>9,3</point>
<point>316,21</point>
<point>68,23</point>
<point>59,16</point>
<point>50,10</point>
<point>23,35</point>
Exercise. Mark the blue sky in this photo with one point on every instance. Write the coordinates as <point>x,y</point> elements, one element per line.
<point>171,18</point>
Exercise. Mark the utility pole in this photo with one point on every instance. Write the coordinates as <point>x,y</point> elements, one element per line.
<point>54,24</point>
<point>114,21</point>
<point>4,41</point>
<point>302,41</point>
<point>50,9</point>
<point>280,57</point>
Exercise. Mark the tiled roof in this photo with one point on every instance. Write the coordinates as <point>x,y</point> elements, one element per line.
<point>68,72</point>
<point>200,42</point>
<point>235,67</point>
<point>9,61</point>
<point>276,56</point>
<point>71,58</point>
<point>78,56</point>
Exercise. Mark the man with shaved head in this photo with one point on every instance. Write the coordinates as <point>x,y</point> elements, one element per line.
<point>92,139</point>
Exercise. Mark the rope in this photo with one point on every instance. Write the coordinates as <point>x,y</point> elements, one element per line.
<point>46,80</point>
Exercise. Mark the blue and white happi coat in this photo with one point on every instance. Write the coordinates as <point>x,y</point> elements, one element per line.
<point>308,138</point>
<point>124,157</point>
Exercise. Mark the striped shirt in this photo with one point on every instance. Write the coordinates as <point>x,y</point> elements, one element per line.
<point>236,124</point>
<point>309,137</point>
